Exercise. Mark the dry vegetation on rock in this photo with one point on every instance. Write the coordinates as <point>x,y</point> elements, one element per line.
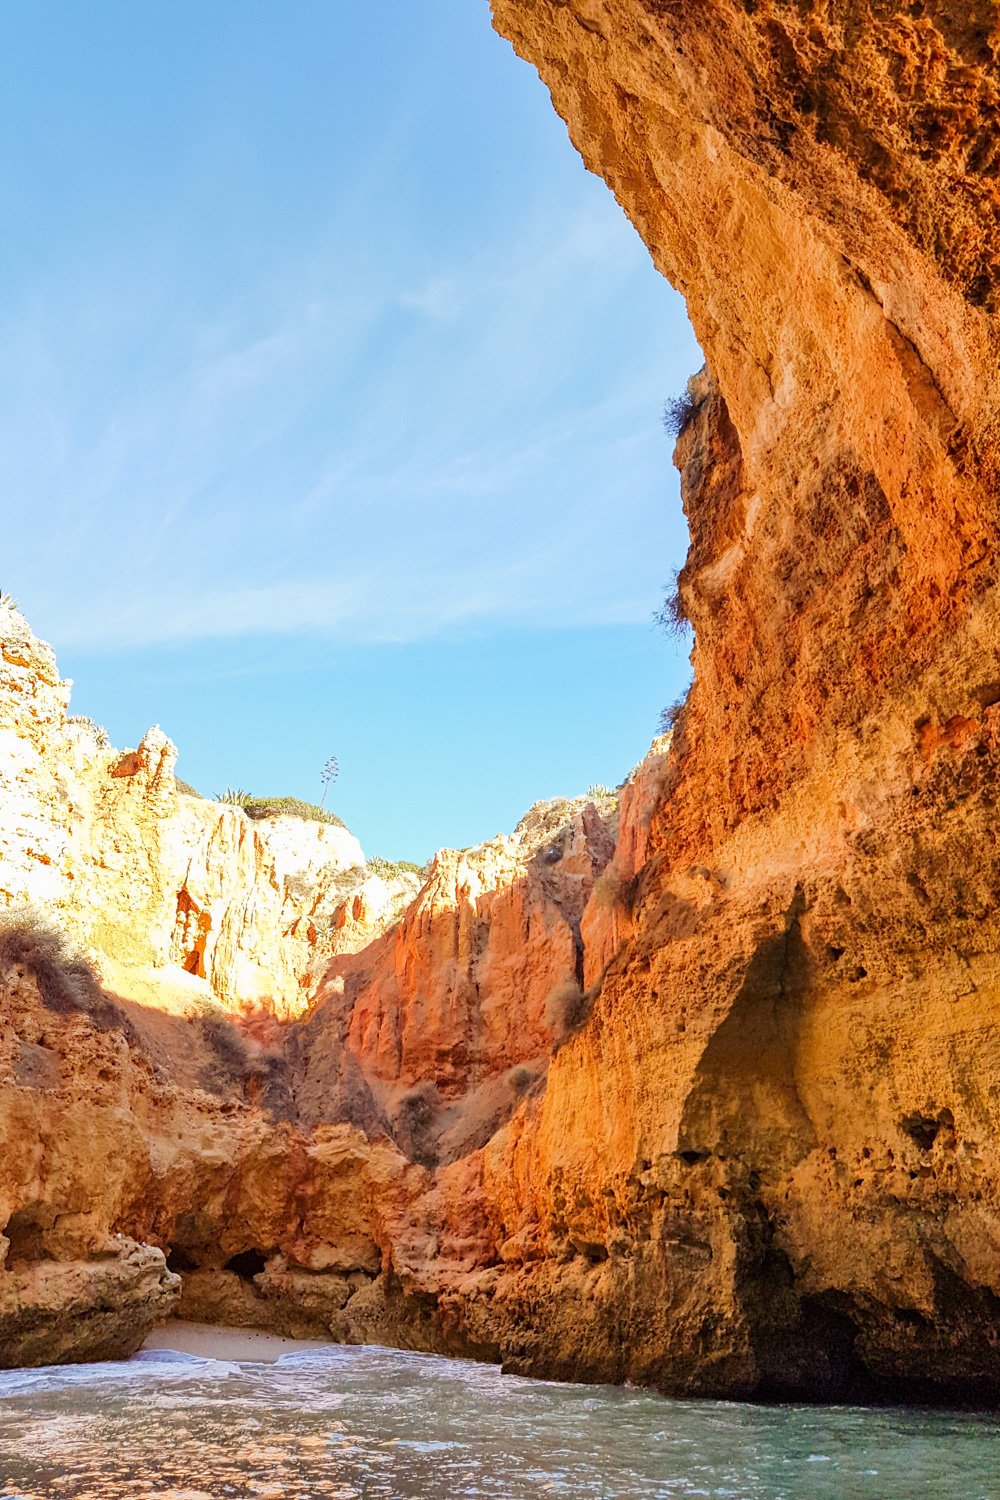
<point>32,945</point>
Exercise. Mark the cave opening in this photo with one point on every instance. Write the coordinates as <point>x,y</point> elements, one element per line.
<point>247,1264</point>
<point>25,1231</point>
<point>179,1261</point>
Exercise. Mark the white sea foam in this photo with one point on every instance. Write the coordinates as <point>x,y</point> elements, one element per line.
<point>350,1422</point>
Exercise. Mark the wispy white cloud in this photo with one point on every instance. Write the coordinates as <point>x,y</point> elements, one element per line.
<point>437,298</point>
<point>346,444</point>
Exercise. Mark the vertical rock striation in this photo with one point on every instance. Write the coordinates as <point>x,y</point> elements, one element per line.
<point>775,1141</point>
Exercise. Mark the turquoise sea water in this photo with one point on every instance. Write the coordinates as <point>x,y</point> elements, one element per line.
<point>361,1423</point>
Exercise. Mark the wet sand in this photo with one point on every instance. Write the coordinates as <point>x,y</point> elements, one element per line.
<point>212,1342</point>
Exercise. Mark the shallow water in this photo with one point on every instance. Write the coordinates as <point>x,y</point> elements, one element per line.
<point>360,1423</point>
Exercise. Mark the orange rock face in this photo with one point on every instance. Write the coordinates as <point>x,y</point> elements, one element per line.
<point>248,1168</point>
<point>771,1150</point>
<point>714,1109</point>
<point>444,1020</point>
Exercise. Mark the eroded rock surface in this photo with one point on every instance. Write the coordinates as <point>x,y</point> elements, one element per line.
<point>775,1141</point>
<point>309,1175</point>
<point>180,900</point>
<point>443,1021</point>
<point>751,1145</point>
<point>58,1312</point>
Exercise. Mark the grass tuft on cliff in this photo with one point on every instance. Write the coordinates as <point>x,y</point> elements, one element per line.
<point>30,943</point>
<point>671,715</point>
<point>84,721</point>
<point>415,1122</point>
<point>519,1079</point>
<point>677,413</point>
<point>566,1009</point>
<point>611,889</point>
<point>672,615</point>
<point>235,1063</point>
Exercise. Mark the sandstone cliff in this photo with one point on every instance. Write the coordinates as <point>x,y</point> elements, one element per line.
<point>715,1109</point>
<point>175,1132</point>
<point>179,900</point>
<point>776,1140</point>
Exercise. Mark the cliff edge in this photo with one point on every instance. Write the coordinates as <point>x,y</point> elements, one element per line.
<point>778,1132</point>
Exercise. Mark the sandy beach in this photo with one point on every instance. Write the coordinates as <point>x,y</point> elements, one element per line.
<point>212,1342</point>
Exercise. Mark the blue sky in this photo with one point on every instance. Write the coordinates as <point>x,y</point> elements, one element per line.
<point>330,386</point>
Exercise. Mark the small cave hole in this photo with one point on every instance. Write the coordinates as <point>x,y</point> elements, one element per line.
<point>247,1264</point>
<point>692,1157</point>
<point>593,1253</point>
<point>179,1260</point>
<point>25,1230</point>
<point>921,1129</point>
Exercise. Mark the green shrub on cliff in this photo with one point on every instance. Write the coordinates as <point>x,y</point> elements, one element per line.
<point>289,807</point>
<point>277,807</point>
<point>389,868</point>
<point>84,721</point>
